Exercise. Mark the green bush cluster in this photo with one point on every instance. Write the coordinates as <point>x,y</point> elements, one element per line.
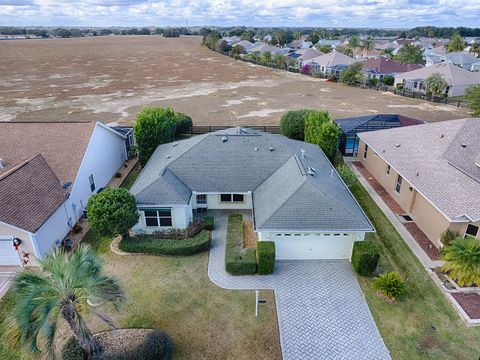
<point>155,246</point>
<point>208,223</point>
<point>389,284</point>
<point>320,130</point>
<point>72,350</point>
<point>184,123</point>
<point>292,124</point>
<point>266,257</point>
<point>365,257</point>
<point>238,261</point>
<point>447,236</point>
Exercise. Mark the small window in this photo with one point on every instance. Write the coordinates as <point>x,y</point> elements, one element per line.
<point>156,218</point>
<point>237,198</point>
<point>201,199</point>
<point>336,234</point>
<point>365,151</point>
<point>92,183</point>
<point>471,230</point>
<point>297,234</point>
<point>415,84</point>
<point>226,197</point>
<point>287,234</point>
<point>388,170</point>
<point>278,234</point>
<point>398,186</point>
<point>326,234</point>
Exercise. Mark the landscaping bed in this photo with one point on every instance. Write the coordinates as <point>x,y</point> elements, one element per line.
<point>149,244</point>
<point>470,303</point>
<point>238,260</point>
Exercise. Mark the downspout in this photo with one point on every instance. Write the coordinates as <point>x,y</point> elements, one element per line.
<point>412,202</point>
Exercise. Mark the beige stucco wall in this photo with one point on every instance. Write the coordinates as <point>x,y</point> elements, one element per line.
<point>26,246</point>
<point>461,227</point>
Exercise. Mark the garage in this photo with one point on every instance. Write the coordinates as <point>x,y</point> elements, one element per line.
<point>311,246</point>
<point>8,254</point>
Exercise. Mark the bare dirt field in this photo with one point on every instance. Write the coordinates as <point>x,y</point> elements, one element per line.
<point>111,78</point>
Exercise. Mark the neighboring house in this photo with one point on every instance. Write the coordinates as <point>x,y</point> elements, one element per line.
<point>300,44</point>
<point>245,44</point>
<point>48,172</point>
<point>381,66</point>
<point>323,63</point>
<point>458,79</point>
<point>432,171</point>
<point>303,55</point>
<point>432,59</point>
<point>332,43</point>
<point>261,48</point>
<point>296,197</point>
<point>350,127</point>
<point>462,59</point>
<point>232,40</point>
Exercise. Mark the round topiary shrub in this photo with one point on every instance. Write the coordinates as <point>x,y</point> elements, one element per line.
<point>72,350</point>
<point>365,257</point>
<point>292,124</point>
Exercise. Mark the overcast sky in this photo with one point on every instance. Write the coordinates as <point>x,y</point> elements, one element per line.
<point>321,13</point>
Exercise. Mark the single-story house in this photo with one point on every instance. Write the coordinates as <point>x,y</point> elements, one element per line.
<point>458,79</point>
<point>350,127</point>
<point>324,62</point>
<point>379,67</point>
<point>303,55</point>
<point>328,42</point>
<point>245,44</point>
<point>48,171</point>
<point>296,197</point>
<point>462,59</point>
<point>432,171</point>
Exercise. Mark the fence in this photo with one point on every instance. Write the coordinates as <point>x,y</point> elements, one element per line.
<point>380,87</point>
<point>203,129</point>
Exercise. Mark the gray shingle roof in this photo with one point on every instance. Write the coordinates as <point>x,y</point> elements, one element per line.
<point>270,166</point>
<point>431,158</point>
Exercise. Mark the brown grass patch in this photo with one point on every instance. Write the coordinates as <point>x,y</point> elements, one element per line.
<point>249,236</point>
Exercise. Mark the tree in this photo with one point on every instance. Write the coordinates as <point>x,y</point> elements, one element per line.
<point>456,43</point>
<point>222,47</point>
<point>344,50</point>
<point>320,130</point>
<point>472,95</point>
<point>353,43</point>
<point>297,35</point>
<point>183,122</point>
<point>388,52</point>
<point>367,46</point>
<point>292,124</point>
<point>112,212</point>
<point>247,35</point>
<point>462,261</point>
<point>280,60</point>
<point>435,84</point>
<point>266,57</point>
<point>324,48</point>
<point>410,54</point>
<point>353,74</point>
<point>59,292</point>
<point>314,38</point>
<point>237,50</point>
<point>475,49</point>
<point>211,39</point>
<point>388,80</point>
<point>154,126</point>
<point>282,37</point>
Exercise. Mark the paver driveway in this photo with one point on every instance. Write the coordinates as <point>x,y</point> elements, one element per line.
<point>5,280</point>
<point>322,313</point>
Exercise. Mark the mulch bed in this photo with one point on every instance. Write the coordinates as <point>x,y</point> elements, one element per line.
<point>470,303</point>
<point>430,249</point>
<point>249,236</point>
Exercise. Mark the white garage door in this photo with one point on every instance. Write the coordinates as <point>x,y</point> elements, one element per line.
<point>312,246</point>
<point>8,255</point>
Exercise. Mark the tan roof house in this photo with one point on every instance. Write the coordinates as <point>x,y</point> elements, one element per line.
<point>432,171</point>
<point>324,62</point>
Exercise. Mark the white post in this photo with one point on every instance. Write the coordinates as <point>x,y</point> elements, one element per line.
<point>256,303</point>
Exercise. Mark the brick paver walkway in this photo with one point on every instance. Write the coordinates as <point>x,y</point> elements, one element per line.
<point>322,313</point>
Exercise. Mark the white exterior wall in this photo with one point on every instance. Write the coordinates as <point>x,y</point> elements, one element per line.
<point>9,232</point>
<point>104,156</point>
<point>213,202</point>
<point>181,217</point>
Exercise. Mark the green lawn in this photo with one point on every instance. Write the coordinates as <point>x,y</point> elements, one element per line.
<point>131,177</point>
<point>423,325</point>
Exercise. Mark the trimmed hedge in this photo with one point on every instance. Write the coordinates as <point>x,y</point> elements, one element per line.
<point>147,245</point>
<point>208,223</point>
<point>365,257</point>
<point>266,257</point>
<point>238,261</point>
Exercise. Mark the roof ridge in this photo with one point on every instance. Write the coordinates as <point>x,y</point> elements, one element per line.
<point>19,166</point>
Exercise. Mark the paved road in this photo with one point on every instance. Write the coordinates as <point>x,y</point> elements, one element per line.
<point>322,313</point>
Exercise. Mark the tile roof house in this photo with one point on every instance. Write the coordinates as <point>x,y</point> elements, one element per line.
<point>323,63</point>
<point>47,173</point>
<point>458,79</point>
<point>381,66</point>
<point>296,197</point>
<point>432,171</point>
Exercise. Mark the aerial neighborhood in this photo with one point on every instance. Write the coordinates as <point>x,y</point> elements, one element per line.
<point>239,193</point>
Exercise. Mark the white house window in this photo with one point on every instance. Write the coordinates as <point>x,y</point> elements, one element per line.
<point>231,197</point>
<point>92,183</point>
<point>365,151</point>
<point>201,199</point>
<point>398,186</point>
<point>388,170</point>
<point>158,217</point>
<point>471,230</point>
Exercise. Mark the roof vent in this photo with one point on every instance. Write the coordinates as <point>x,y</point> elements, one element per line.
<point>66,185</point>
<point>255,148</point>
<point>302,152</point>
<point>169,156</point>
<point>442,136</point>
<point>224,139</point>
<point>244,131</point>
<point>271,148</point>
<point>463,145</point>
<point>175,144</point>
<point>398,145</point>
<point>311,171</point>
<point>2,163</point>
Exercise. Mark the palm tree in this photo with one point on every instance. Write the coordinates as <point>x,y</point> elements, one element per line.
<point>367,45</point>
<point>462,261</point>
<point>388,52</point>
<point>266,57</point>
<point>59,292</point>
<point>475,49</point>
<point>435,84</point>
<point>280,60</point>
<point>353,43</point>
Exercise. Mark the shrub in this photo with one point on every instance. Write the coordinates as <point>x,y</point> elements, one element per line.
<point>238,261</point>
<point>462,261</point>
<point>365,257</point>
<point>472,96</point>
<point>347,175</point>
<point>112,212</point>
<point>388,80</point>
<point>447,236</point>
<point>292,124</point>
<point>72,350</point>
<point>77,228</point>
<point>208,223</point>
<point>266,257</point>
<point>373,81</point>
<point>320,130</point>
<point>151,245</point>
<point>353,74</point>
<point>184,123</point>
<point>154,126</point>
<point>389,284</point>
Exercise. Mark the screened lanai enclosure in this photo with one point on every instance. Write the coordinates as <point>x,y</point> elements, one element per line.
<point>350,127</point>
